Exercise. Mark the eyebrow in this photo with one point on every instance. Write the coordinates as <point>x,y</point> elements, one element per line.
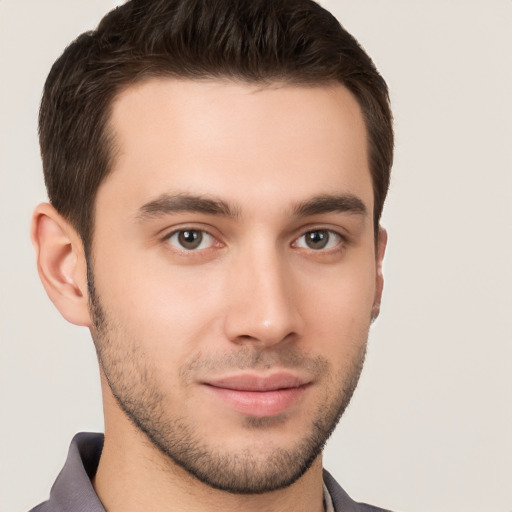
<point>167,204</point>
<point>345,203</point>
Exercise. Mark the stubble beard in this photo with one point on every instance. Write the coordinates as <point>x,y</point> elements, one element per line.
<point>244,472</point>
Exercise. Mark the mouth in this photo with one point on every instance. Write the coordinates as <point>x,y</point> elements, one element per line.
<point>258,396</point>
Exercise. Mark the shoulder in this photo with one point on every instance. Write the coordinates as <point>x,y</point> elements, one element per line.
<point>42,507</point>
<point>72,490</point>
<point>342,501</point>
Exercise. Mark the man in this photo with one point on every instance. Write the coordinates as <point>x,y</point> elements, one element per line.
<point>216,174</point>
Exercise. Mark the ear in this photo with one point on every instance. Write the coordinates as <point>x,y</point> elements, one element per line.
<point>382,240</point>
<point>61,264</point>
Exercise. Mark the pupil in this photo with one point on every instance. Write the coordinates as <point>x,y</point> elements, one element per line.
<point>317,239</point>
<point>190,239</point>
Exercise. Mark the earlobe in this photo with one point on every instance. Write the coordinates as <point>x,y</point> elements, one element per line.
<point>382,240</point>
<point>61,263</point>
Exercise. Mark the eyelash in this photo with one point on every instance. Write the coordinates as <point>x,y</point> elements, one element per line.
<point>329,233</point>
<point>211,239</point>
<point>202,235</point>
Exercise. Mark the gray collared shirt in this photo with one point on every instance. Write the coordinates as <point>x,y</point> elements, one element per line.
<point>73,490</point>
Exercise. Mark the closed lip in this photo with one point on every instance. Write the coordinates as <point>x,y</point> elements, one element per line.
<point>256,382</point>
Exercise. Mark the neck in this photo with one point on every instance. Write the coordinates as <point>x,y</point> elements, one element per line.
<point>134,475</point>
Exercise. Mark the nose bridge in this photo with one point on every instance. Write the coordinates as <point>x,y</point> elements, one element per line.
<point>263,308</point>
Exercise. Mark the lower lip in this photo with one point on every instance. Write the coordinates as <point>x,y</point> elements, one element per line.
<point>259,404</point>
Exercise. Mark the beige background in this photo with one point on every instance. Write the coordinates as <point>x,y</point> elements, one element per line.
<point>430,428</point>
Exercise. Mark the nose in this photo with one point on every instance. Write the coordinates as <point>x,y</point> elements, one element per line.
<point>263,305</point>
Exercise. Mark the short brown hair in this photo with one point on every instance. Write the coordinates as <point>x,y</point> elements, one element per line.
<point>255,41</point>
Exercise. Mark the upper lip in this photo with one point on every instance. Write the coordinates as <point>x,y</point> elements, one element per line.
<point>255,382</point>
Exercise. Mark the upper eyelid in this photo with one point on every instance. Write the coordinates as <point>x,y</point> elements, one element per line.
<point>167,232</point>
<point>329,230</point>
<point>343,238</point>
<point>189,252</point>
<point>321,227</point>
<point>175,231</point>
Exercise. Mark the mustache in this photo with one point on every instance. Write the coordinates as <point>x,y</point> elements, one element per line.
<point>252,358</point>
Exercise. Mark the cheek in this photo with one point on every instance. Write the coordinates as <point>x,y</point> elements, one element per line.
<point>165,310</point>
<point>337,308</point>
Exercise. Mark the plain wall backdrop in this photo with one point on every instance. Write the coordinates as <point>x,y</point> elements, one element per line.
<point>430,427</point>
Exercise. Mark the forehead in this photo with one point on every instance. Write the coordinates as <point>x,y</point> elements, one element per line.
<point>237,140</point>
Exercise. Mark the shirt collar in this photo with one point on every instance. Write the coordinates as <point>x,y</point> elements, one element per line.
<point>73,490</point>
<point>328,505</point>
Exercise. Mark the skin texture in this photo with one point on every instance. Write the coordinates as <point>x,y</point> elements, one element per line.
<point>266,176</point>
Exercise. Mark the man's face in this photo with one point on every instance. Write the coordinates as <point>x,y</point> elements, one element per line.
<point>234,273</point>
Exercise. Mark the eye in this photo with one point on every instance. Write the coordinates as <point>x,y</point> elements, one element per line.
<point>318,239</point>
<point>190,239</point>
